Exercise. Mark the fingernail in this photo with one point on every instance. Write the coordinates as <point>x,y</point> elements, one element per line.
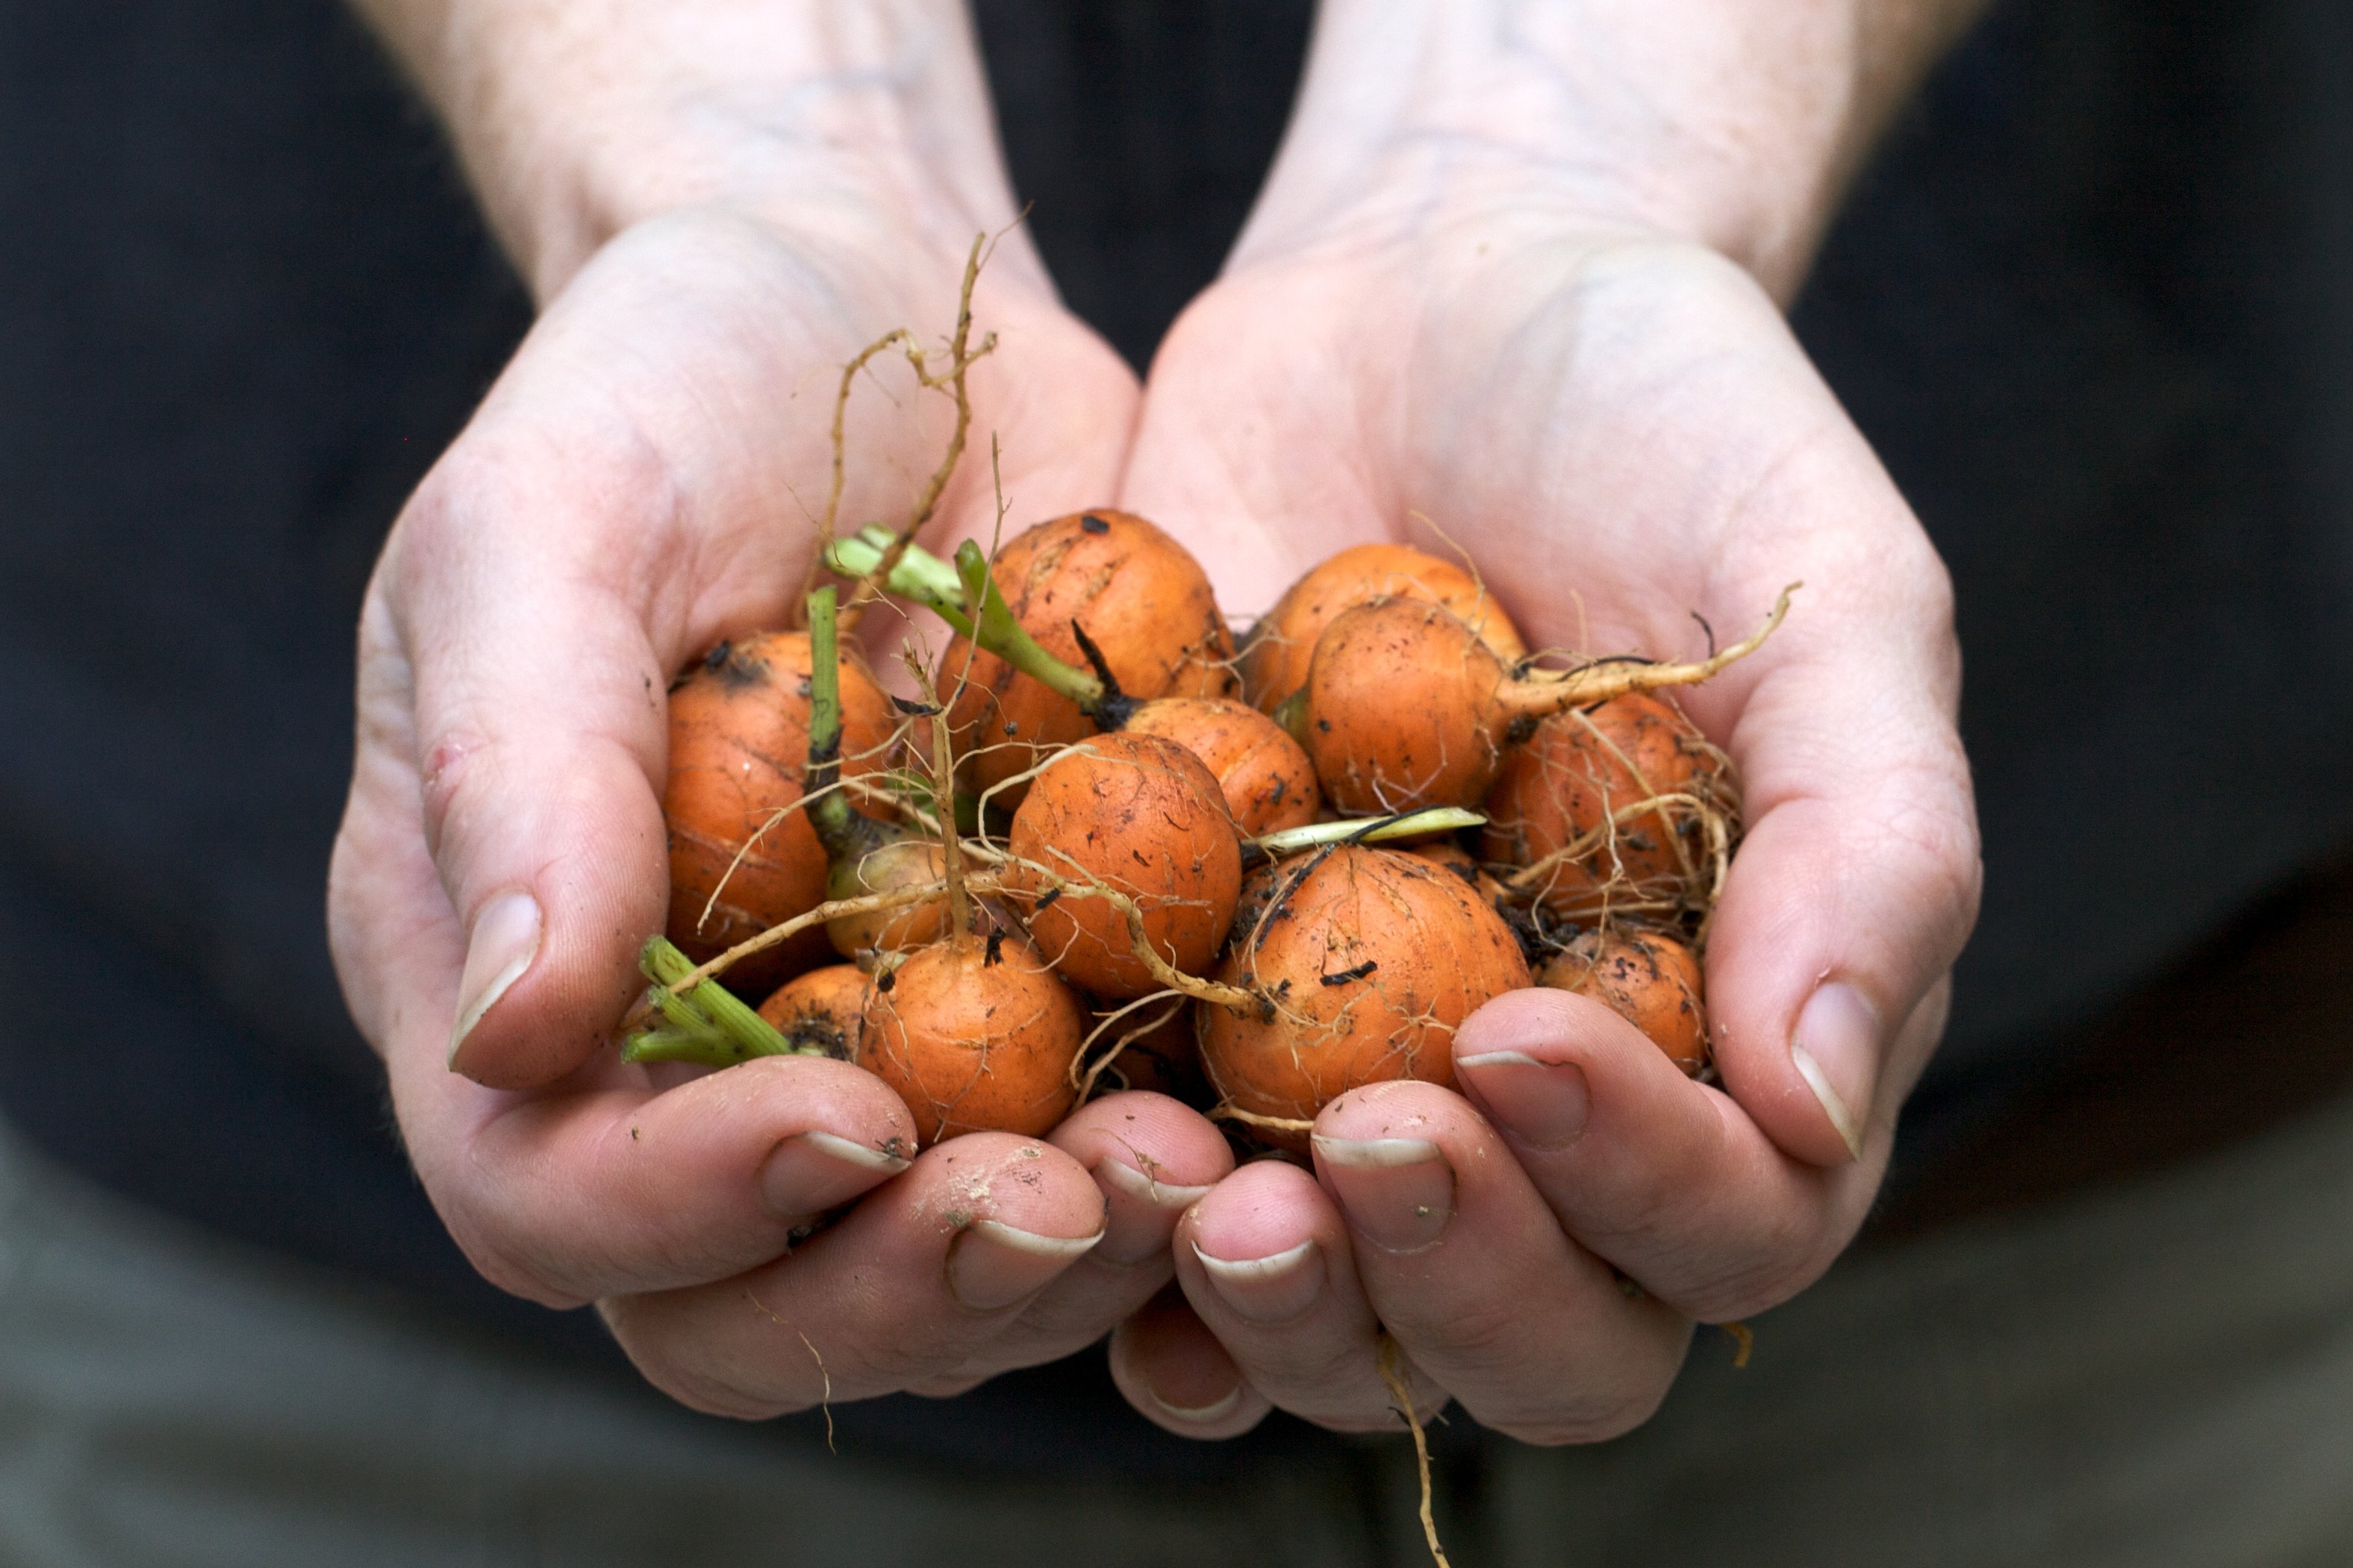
<point>993,1265</point>
<point>1270,1290</point>
<point>504,941</point>
<point>1399,1192</point>
<point>1122,1177</point>
<point>1835,1049</point>
<point>1138,1208</point>
<point>1540,1104</point>
<point>810,1172</point>
<point>1216,1410</point>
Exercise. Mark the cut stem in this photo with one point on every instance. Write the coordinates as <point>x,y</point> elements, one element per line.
<point>707,1004</point>
<point>692,1046</point>
<point>995,629</point>
<point>829,811</point>
<point>950,592</point>
<point>916,575</point>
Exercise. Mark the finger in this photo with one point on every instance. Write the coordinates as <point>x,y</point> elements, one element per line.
<point>556,1200</point>
<point>912,1284</point>
<point>1667,1180</point>
<point>1858,880</point>
<point>1265,1262</point>
<point>1468,1269</point>
<point>610,1186</point>
<point>1152,1158</point>
<point>1172,1369</point>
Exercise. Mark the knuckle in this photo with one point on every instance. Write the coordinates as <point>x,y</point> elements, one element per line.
<point>1592,1408</point>
<point>666,1363</point>
<point>1482,1337</point>
<point>1597,1422</point>
<point>1767,1276</point>
<point>498,1255</point>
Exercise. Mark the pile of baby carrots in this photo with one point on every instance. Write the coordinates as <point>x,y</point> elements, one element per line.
<point>1108,847</point>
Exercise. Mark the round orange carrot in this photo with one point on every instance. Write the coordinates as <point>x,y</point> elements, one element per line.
<point>741,859</point>
<point>1140,595</point>
<point>1649,978</point>
<point>1406,706</point>
<point>819,1010</point>
<point>974,1034</point>
<point>1276,654</point>
<point>1569,805</point>
<point>1142,818</point>
<point>1366,960</point>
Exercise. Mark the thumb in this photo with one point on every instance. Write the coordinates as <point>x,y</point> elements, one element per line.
<point>1857,882</point>
<point>540,738</point>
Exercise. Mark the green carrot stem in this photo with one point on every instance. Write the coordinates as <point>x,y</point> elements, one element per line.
<point>1003,635</point>
<point>702,1047</point>
<point>709,1004</point>
<point>829,808</point>
<point>684,1016</point>
<point>950,592</point>
<point>918,575</point>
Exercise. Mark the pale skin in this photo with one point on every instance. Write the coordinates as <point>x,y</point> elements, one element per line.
<point>1519,270</point>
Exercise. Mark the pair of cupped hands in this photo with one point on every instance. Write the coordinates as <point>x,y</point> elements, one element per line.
<point>1610,417</point>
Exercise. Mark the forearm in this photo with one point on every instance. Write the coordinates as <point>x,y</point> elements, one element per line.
<point>577,118</point>
<point>1737,122</point>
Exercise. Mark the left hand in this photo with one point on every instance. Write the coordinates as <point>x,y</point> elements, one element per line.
<point>1608,414</point>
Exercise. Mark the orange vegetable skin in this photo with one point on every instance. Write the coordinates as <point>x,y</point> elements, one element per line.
<point>1145,816</point>
<point>738,741</point>
<point>1276,656</point>
<point>1581,768</point>
<point>1436,951</point>
<point>1445,852</point>
<point>1267,780</point>
<point>974,1045</point>
<point>1650,979</point>
<point>820,1009</point>
<point>1402,710</point>
<point>1140,595</point>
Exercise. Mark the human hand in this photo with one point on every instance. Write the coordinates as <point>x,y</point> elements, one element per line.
<point>637,486</point>
<point>1479,292</point>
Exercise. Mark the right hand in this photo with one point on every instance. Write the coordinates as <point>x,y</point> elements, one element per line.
<point>638,486</point>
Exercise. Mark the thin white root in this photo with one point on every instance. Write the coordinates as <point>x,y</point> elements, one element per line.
<point>1542,692</point>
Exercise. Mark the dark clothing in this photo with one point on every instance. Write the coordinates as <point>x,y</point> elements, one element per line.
<point>2094,306</point>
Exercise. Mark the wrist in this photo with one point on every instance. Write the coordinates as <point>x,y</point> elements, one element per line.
<point>1732,123</point>
<point>576,121</point>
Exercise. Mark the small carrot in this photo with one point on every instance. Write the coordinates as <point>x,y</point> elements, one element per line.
<point>742,856</point>
<point>1649,979</point>
<point>1141,816</point>
<point>1406,706</point>
<point>1363,962</point>
<point>1276,654</point>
